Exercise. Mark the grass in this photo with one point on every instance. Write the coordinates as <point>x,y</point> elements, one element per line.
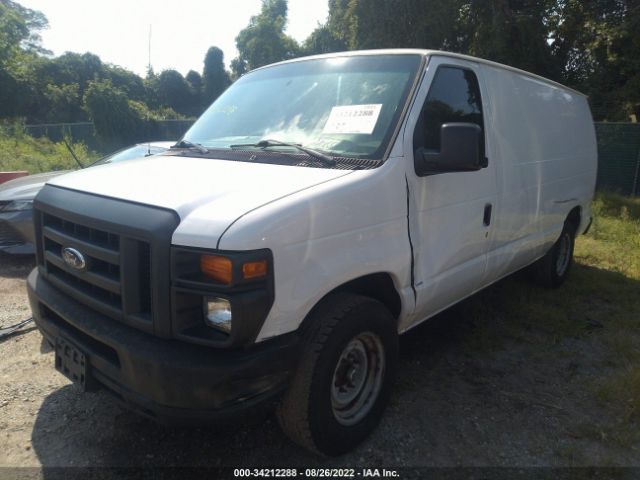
<point>20,151</point>
<point>591,324</point>
<point>613,245</point>
<point>614,242</point>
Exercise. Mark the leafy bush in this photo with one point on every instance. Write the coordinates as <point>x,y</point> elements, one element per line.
<point>112,115</point>
<point>119,121</point>
<point>20,151</point>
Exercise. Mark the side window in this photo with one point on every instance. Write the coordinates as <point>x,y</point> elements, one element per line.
<point>454,96</point>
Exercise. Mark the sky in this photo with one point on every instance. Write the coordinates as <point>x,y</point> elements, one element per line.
<point>181,31</point>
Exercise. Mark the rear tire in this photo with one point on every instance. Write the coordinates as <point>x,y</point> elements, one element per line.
<point>345,375</point>
<point>552,269</point>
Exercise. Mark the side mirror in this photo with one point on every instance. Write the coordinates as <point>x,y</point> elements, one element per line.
<point>459,151</point>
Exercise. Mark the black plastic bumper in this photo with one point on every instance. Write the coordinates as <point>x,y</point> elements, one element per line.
<point>169,380</point>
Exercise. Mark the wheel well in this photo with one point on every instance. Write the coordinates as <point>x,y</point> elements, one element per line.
<point>376,285</point>
<point>574,218</point>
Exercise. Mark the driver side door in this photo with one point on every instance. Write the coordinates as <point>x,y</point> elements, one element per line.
<point>450,213</point>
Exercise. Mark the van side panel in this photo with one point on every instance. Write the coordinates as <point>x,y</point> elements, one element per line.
<point>544,138</point>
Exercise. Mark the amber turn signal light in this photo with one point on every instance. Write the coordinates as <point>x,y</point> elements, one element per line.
<point>254,269</point>
<point>217,268</point>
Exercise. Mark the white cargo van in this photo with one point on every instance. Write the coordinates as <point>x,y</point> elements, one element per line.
<point>319,208</point>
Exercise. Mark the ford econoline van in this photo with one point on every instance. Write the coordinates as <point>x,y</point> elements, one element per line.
<point>319,208</point>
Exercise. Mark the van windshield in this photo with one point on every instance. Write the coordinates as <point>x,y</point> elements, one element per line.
<point>341,106</point>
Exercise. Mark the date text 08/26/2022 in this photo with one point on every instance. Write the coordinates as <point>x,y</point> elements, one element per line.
<point>315,473</point>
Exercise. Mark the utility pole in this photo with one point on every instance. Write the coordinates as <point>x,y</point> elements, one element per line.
<point>149,65</point>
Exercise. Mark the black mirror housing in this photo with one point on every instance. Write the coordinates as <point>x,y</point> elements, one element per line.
<point>459,151</point>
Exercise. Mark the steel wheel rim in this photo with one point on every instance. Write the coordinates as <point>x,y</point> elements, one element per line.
<point>357,378</point>
<point>564,254</point>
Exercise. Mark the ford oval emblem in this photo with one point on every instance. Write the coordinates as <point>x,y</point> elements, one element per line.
<point>74,258</point>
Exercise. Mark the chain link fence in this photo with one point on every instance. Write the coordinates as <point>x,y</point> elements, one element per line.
<point>619,157</point>
<point>85,133</point>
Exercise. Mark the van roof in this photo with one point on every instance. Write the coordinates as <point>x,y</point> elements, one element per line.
<point>424,52</point>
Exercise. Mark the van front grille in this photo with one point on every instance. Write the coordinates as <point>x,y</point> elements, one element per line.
<point>99,283</point>
<point>111,255</point>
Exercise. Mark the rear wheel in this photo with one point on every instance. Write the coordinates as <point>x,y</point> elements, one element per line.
<point>552,269</point>
<point>344,378</point>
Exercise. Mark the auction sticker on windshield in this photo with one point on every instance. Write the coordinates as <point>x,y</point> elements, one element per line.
<point>353,119</point>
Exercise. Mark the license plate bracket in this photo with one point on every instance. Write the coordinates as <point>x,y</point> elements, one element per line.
<point>72,362</point>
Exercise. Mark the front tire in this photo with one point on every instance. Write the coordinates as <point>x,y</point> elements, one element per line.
<point>552,270</point>
<point>345,375</point>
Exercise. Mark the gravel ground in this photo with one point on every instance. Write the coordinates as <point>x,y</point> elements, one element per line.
<point>454,405</point>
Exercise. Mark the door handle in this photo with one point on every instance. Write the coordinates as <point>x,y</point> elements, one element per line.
<point>486,219</point>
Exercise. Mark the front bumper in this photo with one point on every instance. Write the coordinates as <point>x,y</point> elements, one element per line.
<point>168,380</point>
<point>16,232</point>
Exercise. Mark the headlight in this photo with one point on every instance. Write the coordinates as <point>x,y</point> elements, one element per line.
<point>217,268</point>
<point>217,314</point>
<point>220,298</point>
<point>17,206</point>
<point>221,269</point>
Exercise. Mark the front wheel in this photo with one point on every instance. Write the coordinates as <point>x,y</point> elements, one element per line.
<point>344,379</point>
<point>552,269</point>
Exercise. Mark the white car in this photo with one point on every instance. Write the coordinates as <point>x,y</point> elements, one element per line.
<point>318,209</point>
<point>16,198</point>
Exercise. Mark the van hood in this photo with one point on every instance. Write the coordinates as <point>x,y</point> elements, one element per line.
<point>185,184</point>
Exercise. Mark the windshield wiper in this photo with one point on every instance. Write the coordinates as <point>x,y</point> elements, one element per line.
<point>191,146</point>
<point>327,160</point>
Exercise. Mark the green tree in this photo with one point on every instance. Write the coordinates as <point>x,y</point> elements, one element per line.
<point>342,22</point>
<point>263,41</point>
<point>598,47</point>
<point>215,79</point>
<point>44,78</point>
<point>194,80</point>
<point>125,80</point>
<point>114,118</point>
<point>356,24</point>
<point>19,44</point>
<point>31,23</point>
<point>415,23</point>
<point>173,91</point>
<point>64,102</point>
<point>514,32</point>
<point>590,45</point>
<point>238,68</point>
<point>13,30</point>
<point>68,68</point>
<point>322,40</point>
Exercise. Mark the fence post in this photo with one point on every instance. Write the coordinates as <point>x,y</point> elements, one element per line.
<point>636,175</point>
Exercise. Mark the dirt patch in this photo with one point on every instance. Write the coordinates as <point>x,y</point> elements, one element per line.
<point>504,379</point>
